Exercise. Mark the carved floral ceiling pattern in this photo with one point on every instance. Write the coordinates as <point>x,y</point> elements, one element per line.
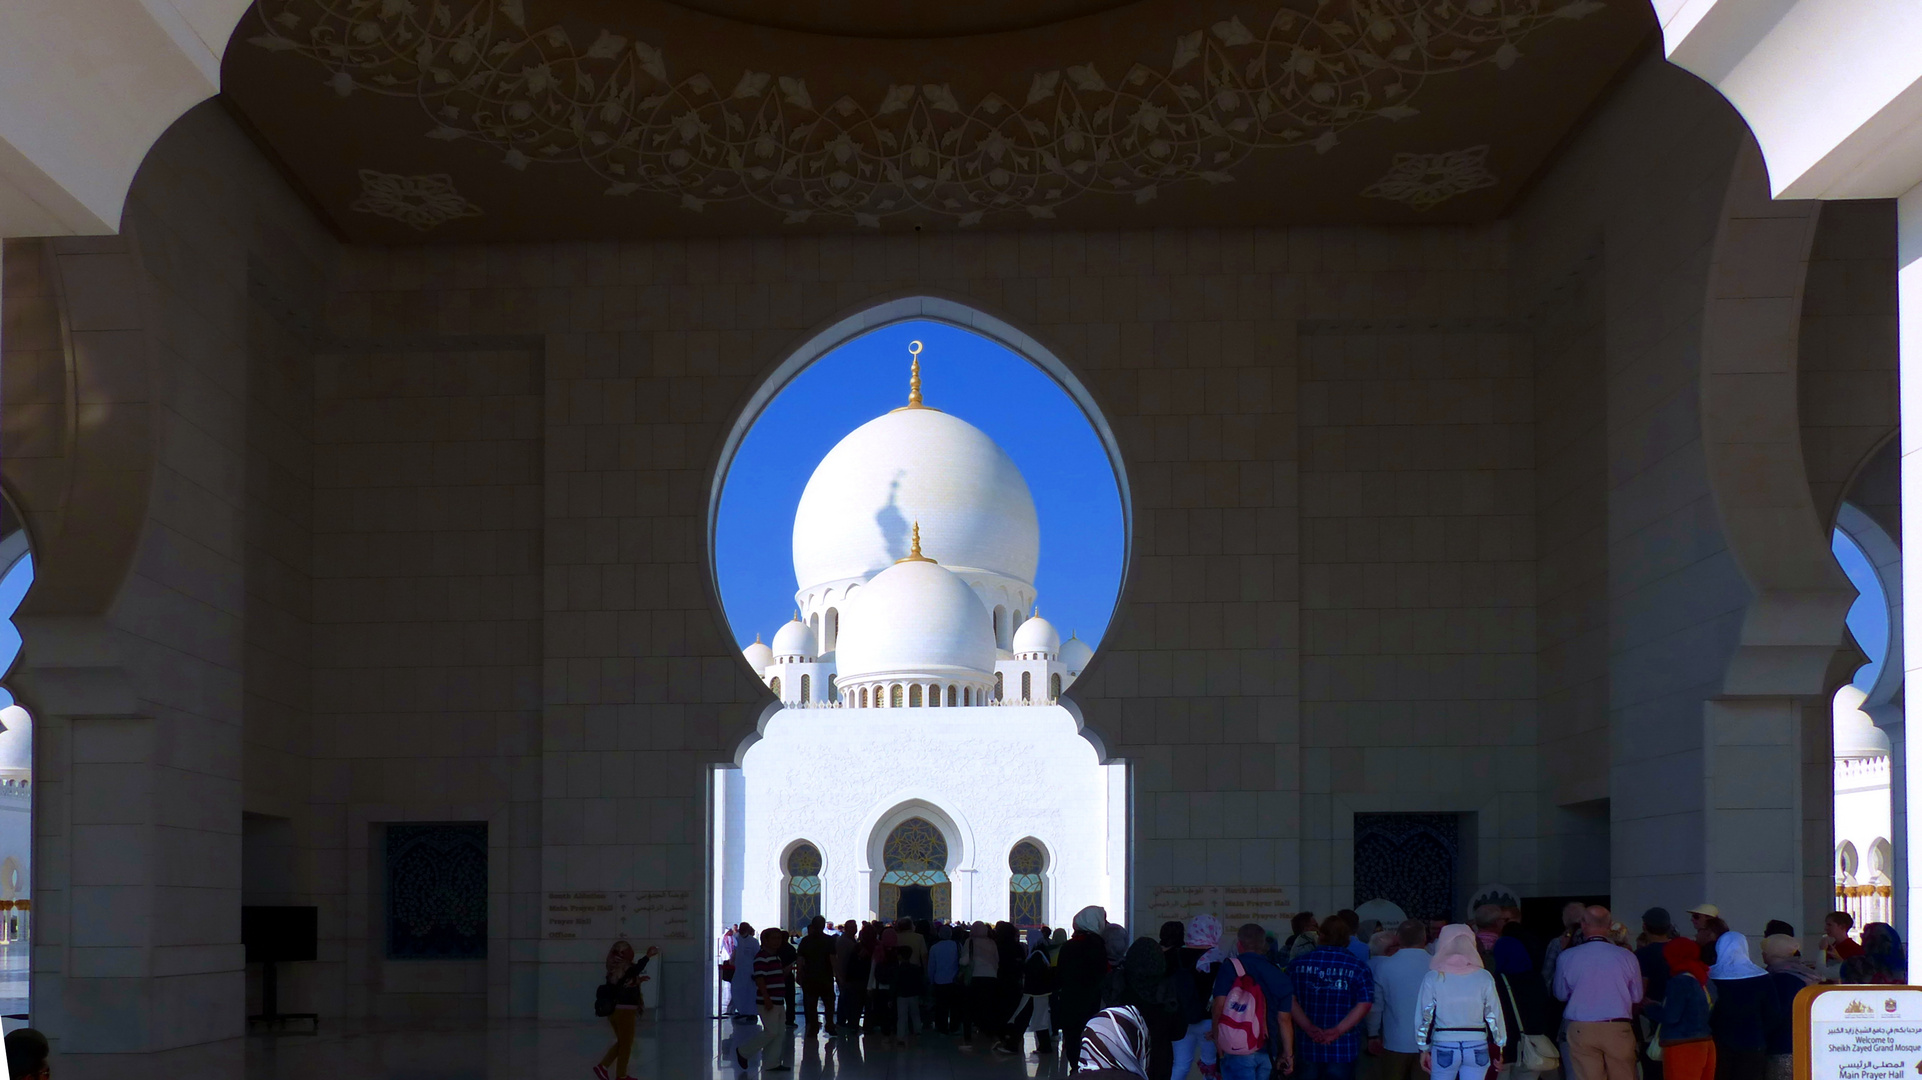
<point>544,95</point>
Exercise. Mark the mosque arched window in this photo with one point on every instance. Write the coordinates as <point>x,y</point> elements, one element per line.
<point>1025,885</point>
<point>807,689</point>
<point>914,879</point>
<point>803,884</point>
<point>967,695</point>
<point>894,696</point>
<point>774,684</point>
<point>834,690</point>
<point>934,695</point>
<point>1054,686</point>
<point>1001,631</point>
<point>914,696</point>
<point>1000,686</point>
<point>952,692</point>
<point>1027,686</point>
<point>864,697</point>
<point>814,629</point>
<point>1847,863</point>
<point>833,630</point>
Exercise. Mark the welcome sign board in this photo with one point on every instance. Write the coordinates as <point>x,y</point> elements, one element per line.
<point>1859,1033</point>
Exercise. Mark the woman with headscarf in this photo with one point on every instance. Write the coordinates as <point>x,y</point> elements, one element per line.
<point>1688,1044</point>
<point>1115,1045</point>
<point>1114,940</point>
<point>1883,959</point>
<point>1032,1012</point>
<point>860,971</point>
<point>1745,1009</point>
<point>1079,971</point>
<point>1192,967</point>
<point>1788,975</point>
<point>983,960</point>
<point>1457,1011</point>
<point>1145,988</point>
<point>623,992</point>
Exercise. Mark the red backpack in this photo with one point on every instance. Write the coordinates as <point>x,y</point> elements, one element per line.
<point>1244,1016</point>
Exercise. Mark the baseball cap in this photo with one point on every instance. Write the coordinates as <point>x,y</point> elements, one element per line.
<point>1657,920</point>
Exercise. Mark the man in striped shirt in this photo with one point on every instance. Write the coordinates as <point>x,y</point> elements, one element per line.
<point>770,997</point>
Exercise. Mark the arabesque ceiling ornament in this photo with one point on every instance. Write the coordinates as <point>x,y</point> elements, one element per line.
<point>537,95</point>
<point>1424,181</point>
<point>419,201</point>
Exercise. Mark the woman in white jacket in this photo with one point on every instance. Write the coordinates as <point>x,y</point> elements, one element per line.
<point>1457,1011</point>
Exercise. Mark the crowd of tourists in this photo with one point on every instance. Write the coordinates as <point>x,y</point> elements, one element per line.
<point>1329,999</point>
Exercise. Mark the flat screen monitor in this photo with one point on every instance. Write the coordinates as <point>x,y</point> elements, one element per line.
<point>279,933</point>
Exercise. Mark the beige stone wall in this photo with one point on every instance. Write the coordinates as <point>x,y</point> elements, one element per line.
<point>427,656</point>
<point>1418,558</point>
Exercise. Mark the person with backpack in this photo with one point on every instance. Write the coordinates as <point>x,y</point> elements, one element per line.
<point>619,999</point>
<point>1253,1003</point>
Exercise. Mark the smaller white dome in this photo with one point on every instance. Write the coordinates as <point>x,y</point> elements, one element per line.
<point>915,618</point>
<point>16,743</point>
<point>1037,635</point>
<point>758,655</point>
<point>1856,735</point>
<point>794,639</point>
<point>1075,655</point>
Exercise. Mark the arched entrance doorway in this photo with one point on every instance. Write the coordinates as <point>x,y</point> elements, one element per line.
<point>914,872</point>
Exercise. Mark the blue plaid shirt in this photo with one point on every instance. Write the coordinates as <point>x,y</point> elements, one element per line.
<point>1328,983</point>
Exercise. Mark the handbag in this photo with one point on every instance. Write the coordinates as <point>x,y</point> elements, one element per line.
<point>1535,1053</point>
<point>1539,1054</point>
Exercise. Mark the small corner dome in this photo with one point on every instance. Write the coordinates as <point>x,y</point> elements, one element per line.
<point>758,655</point>
<point>915,618</point>
<point>1075,655</point>
<point>16,743</point>
<point>1037,635</point>
<point>794,639</point>
<point>1856,735</point>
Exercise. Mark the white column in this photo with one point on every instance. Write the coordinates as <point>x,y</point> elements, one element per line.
<point>1909,311</point>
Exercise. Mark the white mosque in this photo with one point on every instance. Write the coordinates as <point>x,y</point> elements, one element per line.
<point>921,762</point>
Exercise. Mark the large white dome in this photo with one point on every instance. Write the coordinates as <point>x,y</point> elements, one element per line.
<point>915,618</point>
<point>912,465</point>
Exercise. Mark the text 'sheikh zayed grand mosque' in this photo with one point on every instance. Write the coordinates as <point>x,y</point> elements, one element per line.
<point>915,548</point>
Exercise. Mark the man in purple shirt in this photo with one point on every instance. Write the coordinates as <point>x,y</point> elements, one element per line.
<point>1601,982</point>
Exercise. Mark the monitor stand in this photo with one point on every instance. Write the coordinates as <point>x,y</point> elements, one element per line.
<point>270,1013</point>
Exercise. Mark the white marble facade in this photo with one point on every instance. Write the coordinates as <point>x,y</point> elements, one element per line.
<point>917,683</point>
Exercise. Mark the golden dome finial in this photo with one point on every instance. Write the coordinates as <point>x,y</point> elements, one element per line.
<point>914,548</point>
<point>914,374</point>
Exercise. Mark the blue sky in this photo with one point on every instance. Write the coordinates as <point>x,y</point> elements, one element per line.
<point>12,588</point>
<point>1869,615</point>
<point>967,375</point>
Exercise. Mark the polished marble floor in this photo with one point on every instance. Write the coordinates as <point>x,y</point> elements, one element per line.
<point>541,1050</point>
